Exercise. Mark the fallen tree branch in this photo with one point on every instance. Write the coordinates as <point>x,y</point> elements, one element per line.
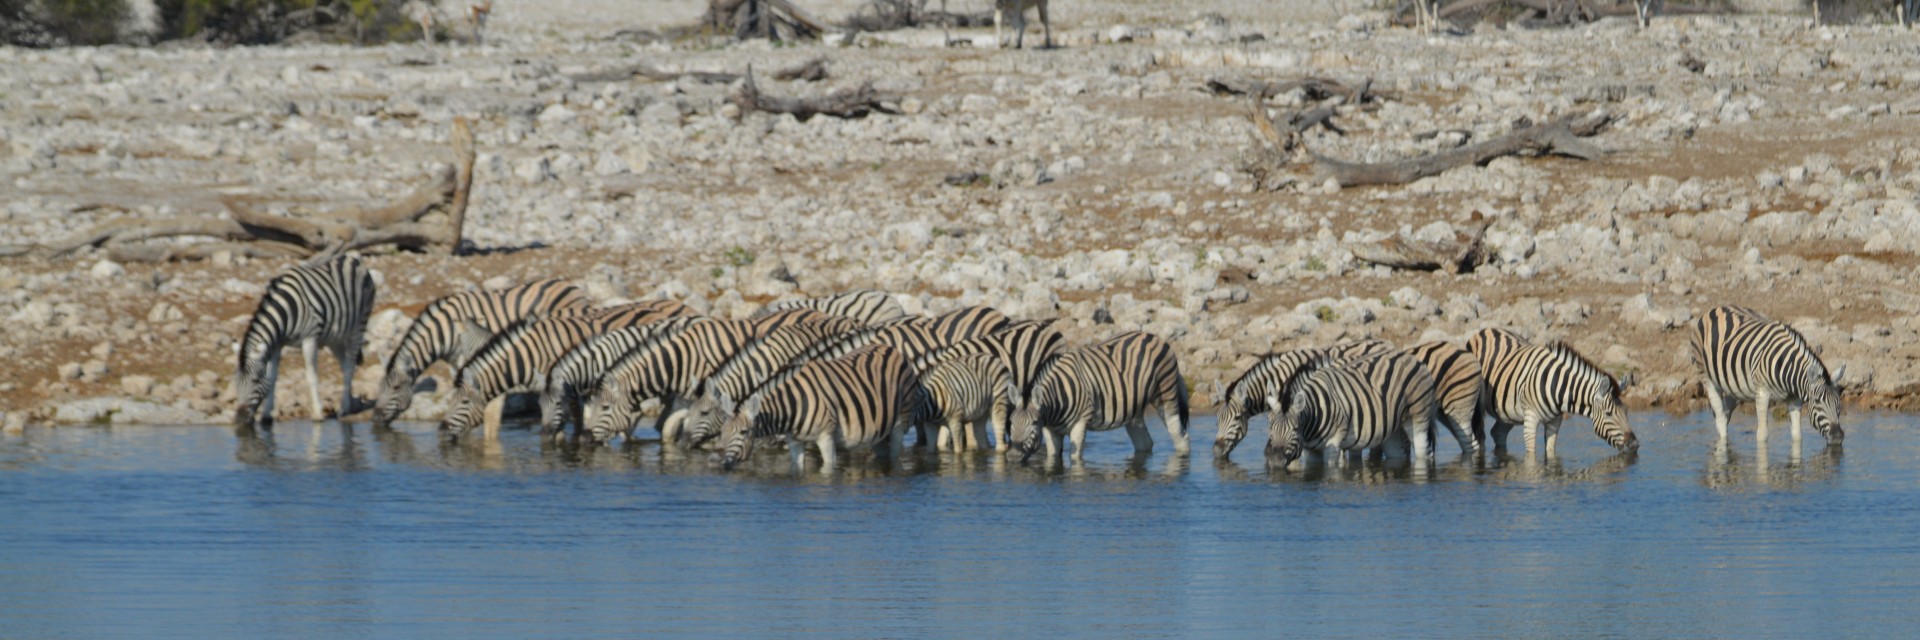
<point>1315,89</point>
<point>813,70</point>
<point>1462,254</point>
<point>1559,137</point>
<point>254,232</point>
<point>846,103</point>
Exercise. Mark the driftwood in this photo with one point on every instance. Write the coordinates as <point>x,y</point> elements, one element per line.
<point>1465,252</point>
<point>253,232</point>
<point>1316,89</point>
<point>813,70</point>
<point>1559,137</point>
<point>1276,142</point>
<point>846,103</point>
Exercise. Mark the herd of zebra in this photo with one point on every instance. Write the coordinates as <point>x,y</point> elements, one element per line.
<point>855,370</point>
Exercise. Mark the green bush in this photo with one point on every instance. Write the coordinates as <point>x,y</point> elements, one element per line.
<point>55,23</point>
<point>250,22</point>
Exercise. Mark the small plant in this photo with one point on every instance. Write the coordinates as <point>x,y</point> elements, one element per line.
<point>1199,257</point>
<point>103,419</point>
<point>877,165</point>
<point>718,271</point>
<point>940,232</point>
<point>739,257</point>
<point>1325,313</point>
<point>1314,264</point>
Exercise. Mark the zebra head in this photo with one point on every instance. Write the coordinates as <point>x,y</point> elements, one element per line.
<point>1236,407</point>
<point>737,434</point>
<point>1823,406</point>
<point>1609,416</point>
<point>612,411</point>
<point>1283,431</point>
<point>396,391</point>
<point>1024,430</point>
<point>704,418</point>
<point>468,409</point>
<point>253,385</point>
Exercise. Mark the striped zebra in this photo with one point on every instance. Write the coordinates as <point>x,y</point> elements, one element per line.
<point>1457,380</point>
<point>1742,355</point>
<point>669,370</point>
<point>436,334</point>
<point>517,360</point>
<point>581,368</point>
<point>865,398</point>
<point>1246,397</point>
<point>1537,386</point>
<point>959,397</point>
<point>1383,401</point>
<point>1025,347</point>
<point>634,313</point>
<point>865,307</point>
<point>715,400</point>
<point>1102,387</point>
<point>321,302</point>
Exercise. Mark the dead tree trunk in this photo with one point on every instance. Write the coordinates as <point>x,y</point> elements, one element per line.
<point>250,231</point>
<point>1559,137</point>
<point>847,103</point>
<point>1462,254</point>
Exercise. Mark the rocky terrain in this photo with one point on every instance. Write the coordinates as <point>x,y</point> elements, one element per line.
<point>1754,161</point>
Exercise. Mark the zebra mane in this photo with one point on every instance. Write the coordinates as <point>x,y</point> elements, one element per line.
<point>653,334</point>
<point>501,341</point>
<point>1315,360</point>
<point>1567,354</point>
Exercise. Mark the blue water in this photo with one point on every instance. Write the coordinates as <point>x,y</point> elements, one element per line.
<point>332,532</point>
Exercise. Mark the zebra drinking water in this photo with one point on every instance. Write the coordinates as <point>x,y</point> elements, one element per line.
<point>1742,355</point>
<point>582,367</point>
<point>865,398</point>
<point>1246,396</point>
<point>1383,401</point>
<point>1536,386</point>
<point>436,334</point>
<point>321,302</point>
<point>1102,387</point>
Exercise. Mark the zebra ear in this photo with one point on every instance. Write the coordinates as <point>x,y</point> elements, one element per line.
<point>1837,375</point>
<point>720,396</point>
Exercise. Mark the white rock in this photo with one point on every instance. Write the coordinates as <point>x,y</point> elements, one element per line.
<point>107,269</point>
<point>241,287</point>
<point>496,283</point>
<point>136,386</point>
<point>36,314</point>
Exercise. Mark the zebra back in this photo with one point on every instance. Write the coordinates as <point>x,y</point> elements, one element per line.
<point>1458,381</point>
<point>327,300</point>
<point>1247,395</point>
<point>962,387</point>
<point>582,366</point>
<point>865,307</point>
<point>636,313</point>
<point>967,323</point>
<point>1547,382</point>
<point>858,398</point>
<point>437,331</point>
<point>1743,354</point>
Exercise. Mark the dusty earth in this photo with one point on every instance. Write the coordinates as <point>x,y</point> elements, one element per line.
<point>1755,161</point>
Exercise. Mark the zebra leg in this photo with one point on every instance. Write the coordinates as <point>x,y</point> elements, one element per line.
<point>310,348</point>
<point>1760,408</point>
<point>1142,441</point>
<point>796,452</point>
<point>1793,413</point>
<point>348,359</point>
<point>1552,428</point>
<point>977,435</point>
<point>945,440</point>
<point>1002,427</point>
<point>827,444</point>
<point>1499,435</point>
<point>1720,408</point>
<point>1176,429</point>
<point>1531,433</point>
<point>1420,436</point>
<point>264,419</point>
<point>491,417</point>
<point>1079,436</point>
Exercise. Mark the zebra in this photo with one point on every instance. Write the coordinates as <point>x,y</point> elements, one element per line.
<point>1742,355</point>
<point>757,361</point>
<point>516,360</point>
<point>866,307</point>
<point>1457,380</point>
<point>960,394</point>
<point>1385,401</point>
<point>1246,396</point>
<point>320,302</point>
<point>1025,347</point>
<point>435,333</point>
<point>865,398</point>
<point>1103,386</point>
<point>1536,386</point>
<point>670,370</point>
<point>1015,11</point>
<point>582,367</point>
